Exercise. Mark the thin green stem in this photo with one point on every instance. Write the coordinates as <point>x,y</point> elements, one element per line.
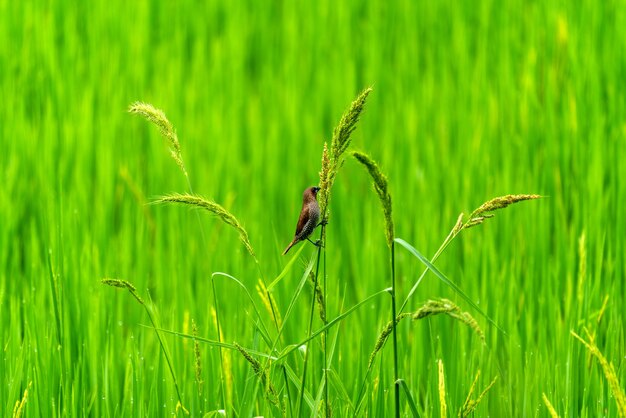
<point>332,323</point>
<point>219,340</point>
<point>396,383</point>
<point>310,329</point>
<point>453,233</point>
<point>284,369</point>
<point>167,356</point>
<point>325,339</point>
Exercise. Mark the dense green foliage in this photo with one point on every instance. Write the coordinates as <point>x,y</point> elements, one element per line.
<point>471,100</point>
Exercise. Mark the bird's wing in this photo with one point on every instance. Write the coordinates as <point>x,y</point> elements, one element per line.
<point>304,217</point>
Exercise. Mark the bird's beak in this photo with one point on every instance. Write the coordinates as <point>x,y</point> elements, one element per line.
<point>316,189</point>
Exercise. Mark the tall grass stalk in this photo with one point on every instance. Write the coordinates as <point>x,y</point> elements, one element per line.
<point>332,160</point>
<point>380,183</point>
<point>219,339</point>
<point>158,118</point>
<point>477,217</point>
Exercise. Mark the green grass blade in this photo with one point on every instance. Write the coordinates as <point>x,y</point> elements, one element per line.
<point>209,342</point>
<point>340,388</point>
<point>286,269</point>
<point>409,397</point>
<point>296,294</point>
<point>263,329</point>
<point>293,347</point>
<point>444,279</point>
<point>55,300</point>
<point>296,382</point>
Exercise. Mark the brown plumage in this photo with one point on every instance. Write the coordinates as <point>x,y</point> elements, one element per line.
<point>309,216</point>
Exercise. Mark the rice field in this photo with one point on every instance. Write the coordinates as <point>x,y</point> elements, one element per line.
<point>140,266</point>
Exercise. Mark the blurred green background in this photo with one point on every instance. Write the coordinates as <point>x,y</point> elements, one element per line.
<point>471,100</point>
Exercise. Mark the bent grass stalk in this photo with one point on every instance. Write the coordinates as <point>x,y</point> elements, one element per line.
<point>166,128</point>
<point>380,183</point>
<point>158,118</point>
<point>478,216</point>
<point>431,307</point>
<point>213,208</point>
<point>123,284</point>
<point>332,160</point>
<point>228,218</point>
<point>445,306</point>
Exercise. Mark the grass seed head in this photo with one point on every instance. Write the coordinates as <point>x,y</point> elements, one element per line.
<point>483,211</point>
<point>347,125</point>
<point>268,302</point>
<point>382,338</point>
<point>445,306</point>
<point>325,179</point>
<point>158,118</point>
<point>332,159</point>
<point>271,393</point>
<point>434,307</point>
<point>319,297</point>
<point>123,284</point>
<point>213,208</point>
<point>468,319</point>
<point>118,283</point>
<point>381,187</point>
<point>197,357</point>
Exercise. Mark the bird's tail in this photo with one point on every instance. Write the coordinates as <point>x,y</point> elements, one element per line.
<point>289,246</point>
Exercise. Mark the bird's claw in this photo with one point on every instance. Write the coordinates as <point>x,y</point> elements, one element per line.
<point>317,243</point>
<point>323,222</point>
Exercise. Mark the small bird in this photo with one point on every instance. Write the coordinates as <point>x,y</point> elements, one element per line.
<point>309,215</point>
